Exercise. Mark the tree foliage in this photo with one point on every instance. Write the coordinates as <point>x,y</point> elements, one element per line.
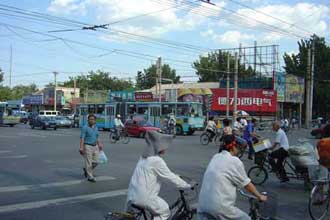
<point>212,68</point>
<point>98,80</point>
<point>147,78</point>
<point>16,92</point>
<point>297,64</point>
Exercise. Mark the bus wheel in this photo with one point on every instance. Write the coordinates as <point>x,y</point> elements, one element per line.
<point>179,130</point>
<point>191,131</point>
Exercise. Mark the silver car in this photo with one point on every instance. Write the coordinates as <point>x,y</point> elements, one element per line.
<point>62,121</point>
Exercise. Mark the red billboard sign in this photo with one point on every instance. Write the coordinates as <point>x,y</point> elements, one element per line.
<point>250,100</point>
<point>143,96</point>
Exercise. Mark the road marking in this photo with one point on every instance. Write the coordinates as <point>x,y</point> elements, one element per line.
<point>4,151</point>
<point>47,185</point>
<point>62,201</point>
<point>14,157</point>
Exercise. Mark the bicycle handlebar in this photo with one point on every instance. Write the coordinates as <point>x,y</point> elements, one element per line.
<point>250,196</point>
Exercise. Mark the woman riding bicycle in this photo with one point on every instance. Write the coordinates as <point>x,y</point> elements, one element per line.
<point>145,183</point>
<point>224,175</point>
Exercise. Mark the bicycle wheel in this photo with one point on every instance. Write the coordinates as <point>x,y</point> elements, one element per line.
<point>319,200</point>
<point>125,139</point>
<point>217,140</point>
<point>258,175</point>
<point>204,139</point>
<point>112,137</point>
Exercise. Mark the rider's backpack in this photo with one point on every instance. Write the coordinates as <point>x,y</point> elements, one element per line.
<point>323,148</point>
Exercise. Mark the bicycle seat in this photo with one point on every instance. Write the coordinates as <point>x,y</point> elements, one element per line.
<point>140,208</point>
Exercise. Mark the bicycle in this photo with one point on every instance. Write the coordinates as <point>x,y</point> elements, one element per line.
<point>123,137</point>
<point>319,199</point>
<point>259,173</point>
<point>181,209</point>
<point>254,212</point>
<point>205,138</point>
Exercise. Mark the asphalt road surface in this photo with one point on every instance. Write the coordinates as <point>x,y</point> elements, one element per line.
<point>41,175</point>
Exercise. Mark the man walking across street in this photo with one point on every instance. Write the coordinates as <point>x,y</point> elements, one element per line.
<point>90,147</point>
<point>280,151</point>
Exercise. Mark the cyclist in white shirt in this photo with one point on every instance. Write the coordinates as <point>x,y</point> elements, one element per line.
<point>280,151</point>
<point>118,125</point>
<point>211,127</point>
<point>224,175</point>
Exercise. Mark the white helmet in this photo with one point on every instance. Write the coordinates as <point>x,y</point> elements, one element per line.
<point>118,116</point>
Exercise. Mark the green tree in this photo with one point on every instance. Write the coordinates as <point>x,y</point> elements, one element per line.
<point>147,79</point>
<point>16,92</point>
<point>212,68</point>
<point>98,80</point>
<point>297,64</point>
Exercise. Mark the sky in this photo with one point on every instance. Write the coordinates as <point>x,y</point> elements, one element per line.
<point>47,35</point>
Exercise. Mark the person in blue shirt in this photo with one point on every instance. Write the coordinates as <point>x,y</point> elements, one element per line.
<point>90,147</point>
<point>249,135</point>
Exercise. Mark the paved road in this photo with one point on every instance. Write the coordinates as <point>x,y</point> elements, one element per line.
<point>41,175</point>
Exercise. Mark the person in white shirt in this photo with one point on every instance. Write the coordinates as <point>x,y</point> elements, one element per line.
<point>224,175</point>
<point>237,128</point>
<point>279,151</point>
<point>145,183</point>
<point>118,125</point>
<point>244,122</point>
<point>211,127</point>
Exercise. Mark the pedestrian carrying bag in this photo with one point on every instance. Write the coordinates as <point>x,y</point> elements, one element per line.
<point>102,157</point>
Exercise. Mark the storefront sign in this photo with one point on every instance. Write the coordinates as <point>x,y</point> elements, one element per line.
<point>250,100</point>
<point>143,97</point>
<point>295,88</point>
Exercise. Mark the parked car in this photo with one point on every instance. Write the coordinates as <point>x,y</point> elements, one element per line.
<point>43,122</point>
<point>321,132</point>
<point>139,128</point>
<point>62,121</point>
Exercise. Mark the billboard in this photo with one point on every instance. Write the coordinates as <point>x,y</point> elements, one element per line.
<point>143,96</point>
<point>250,100</point>
<point>49,97</point>
<point>121,96</point>
<point>295,89</point>
<point>280,86</point>
<point>33,100</point>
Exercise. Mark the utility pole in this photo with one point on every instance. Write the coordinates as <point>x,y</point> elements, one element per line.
<point>228,85</point>
<point>159,74</point>
<point>308,90</point>
<point>235,86</point>
<point>74,94</point>
<point>11,65</point>
<point>312,78</point>
<point>55,74</point>
<point>255,57</point>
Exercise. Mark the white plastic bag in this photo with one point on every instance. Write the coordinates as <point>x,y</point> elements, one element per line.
<point>102,157</point>
<point>303,155</point>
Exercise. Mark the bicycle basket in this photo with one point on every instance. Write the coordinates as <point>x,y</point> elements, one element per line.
<point>119,216</point>
<point>268,209</point>
<point>260,157</point>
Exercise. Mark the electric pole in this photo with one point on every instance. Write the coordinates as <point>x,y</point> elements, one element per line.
<point>55,74</point>
<point>228,85</point>
<point>74,94</point>
<point>312,78</point>
<point>11,65</point>
<point>159,74</point>
<point>235,86</point>
<point>308,90</point>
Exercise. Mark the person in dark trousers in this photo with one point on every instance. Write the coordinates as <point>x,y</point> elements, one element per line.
<point>90,147</point>
<point>279,152</point>
<point>250,136</point>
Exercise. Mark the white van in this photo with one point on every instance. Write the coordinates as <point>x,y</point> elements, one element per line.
<point>49,113</point>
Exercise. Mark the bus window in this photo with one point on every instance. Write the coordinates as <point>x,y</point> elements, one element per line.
<point>131,109</point>
<point>84,110</point>
<point>91,109</point>
<point>168,108</point>
<point>142,109</point>
<point>100,109</point>
<point>196,110</point>
<point>182,110</point>
<point>48,113</point>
